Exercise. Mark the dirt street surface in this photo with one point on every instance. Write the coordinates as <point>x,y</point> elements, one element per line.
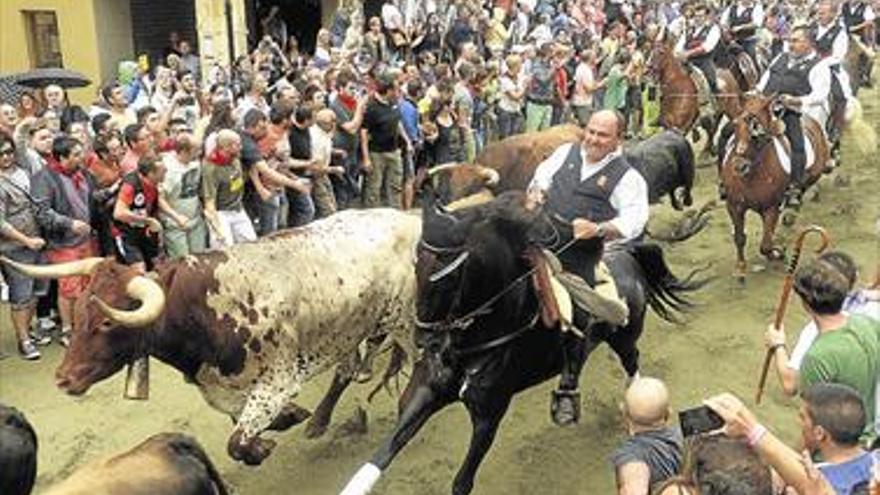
<point>719,348</point>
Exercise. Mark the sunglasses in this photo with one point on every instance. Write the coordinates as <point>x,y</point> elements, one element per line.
<point>7,152</point>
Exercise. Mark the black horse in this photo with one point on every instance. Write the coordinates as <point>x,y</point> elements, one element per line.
<point>480,325</point>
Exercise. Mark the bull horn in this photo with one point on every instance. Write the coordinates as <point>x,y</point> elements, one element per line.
<point>489,175</point>
<point>57,270</point>
<point>145,290</point>
<point>442,168</point>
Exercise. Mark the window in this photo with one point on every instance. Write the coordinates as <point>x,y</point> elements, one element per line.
<point>44,44</point>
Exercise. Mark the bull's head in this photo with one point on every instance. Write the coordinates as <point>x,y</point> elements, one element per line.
<point>110,318</point>
<point>453,182</point>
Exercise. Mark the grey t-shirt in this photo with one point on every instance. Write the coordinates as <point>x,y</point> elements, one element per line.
<point>659,449</point>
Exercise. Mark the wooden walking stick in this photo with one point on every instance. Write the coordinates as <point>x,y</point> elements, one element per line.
<point>786,292</point>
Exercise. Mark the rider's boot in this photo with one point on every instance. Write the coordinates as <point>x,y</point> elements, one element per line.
<point>565,406</point>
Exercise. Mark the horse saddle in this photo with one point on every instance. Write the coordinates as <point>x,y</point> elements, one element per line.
<point>704,92</point>
<point>782,145</point>
<point>560,291</point>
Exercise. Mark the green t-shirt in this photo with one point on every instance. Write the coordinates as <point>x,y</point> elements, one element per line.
<point>224,184</point>
<point>849,355</point>
<point>615,89</point>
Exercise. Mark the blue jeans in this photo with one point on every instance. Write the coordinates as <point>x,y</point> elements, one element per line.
<point>268,212</point>
<point>301,209</point>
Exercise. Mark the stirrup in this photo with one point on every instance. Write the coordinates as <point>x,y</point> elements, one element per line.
<point>565,407</point>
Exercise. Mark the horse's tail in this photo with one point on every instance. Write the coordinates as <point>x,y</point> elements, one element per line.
<point>665,291</point>
<point>857,131</point>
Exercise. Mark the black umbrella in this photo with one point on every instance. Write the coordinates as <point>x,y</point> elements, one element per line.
<point>40,78</point>
<point>10,92</point>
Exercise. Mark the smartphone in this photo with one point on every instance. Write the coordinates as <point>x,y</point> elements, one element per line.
<point>699,420</point>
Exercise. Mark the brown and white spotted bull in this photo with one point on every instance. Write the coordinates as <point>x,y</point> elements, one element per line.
<point>164,464</point>
<point>251,324</point>
<point>18,452</point>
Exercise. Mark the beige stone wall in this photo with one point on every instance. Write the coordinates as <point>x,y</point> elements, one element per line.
<point>113,28</point>
<point>211,28</point>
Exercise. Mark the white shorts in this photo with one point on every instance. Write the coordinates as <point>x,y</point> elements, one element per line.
<point>235,226</point>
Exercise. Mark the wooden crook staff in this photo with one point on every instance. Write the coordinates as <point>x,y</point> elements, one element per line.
<point>786,292</point>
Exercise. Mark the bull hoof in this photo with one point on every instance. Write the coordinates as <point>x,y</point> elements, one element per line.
<point>251,452</point>
<point>363,376</point>
<point>355,425</point>
<point>315,429</point>
<point>290,416</point>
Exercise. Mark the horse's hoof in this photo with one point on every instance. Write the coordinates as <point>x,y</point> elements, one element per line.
<point>565,407</point>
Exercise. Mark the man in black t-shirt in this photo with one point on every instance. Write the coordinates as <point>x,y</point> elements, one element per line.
<point>382,164</point>
<point>301,207</point>
<point>263,190</point>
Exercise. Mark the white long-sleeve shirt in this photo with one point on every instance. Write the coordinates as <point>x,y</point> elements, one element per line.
<point>757,14</point>
<point>840,45</point>
<point>709,43</point>
<point>629,198</point>
<point>819,78</point>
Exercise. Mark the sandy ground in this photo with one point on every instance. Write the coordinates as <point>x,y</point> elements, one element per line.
<point>719,348</point>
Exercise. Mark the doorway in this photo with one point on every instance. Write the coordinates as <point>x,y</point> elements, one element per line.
<point>301,17</point>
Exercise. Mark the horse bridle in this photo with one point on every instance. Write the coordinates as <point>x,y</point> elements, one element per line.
<point>464,322</point>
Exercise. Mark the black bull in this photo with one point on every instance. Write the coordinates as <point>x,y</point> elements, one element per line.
<point>665,160</point>
<point>479,325</point>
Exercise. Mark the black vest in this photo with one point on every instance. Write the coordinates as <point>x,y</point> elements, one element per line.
<point>696,38</point>
<point>740,20</point>
<point>825,43</point>
<point>853,15</point>
<point>569,197</point>
<point>794,81</point>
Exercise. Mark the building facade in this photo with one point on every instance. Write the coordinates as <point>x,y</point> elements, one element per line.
<point>93,36</point>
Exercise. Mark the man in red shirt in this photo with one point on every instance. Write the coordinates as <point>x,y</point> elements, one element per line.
<point>135,226</point>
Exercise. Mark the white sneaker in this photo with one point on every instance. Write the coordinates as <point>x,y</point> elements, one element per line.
<point>28,350</point>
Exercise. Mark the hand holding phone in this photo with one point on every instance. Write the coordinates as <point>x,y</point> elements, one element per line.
<point>699,420</point>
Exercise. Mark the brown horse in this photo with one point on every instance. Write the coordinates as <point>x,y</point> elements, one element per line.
<point>679,95</point>
<point>753,175</point>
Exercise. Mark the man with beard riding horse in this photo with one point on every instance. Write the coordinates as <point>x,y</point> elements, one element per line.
<point>591,190</point>
<point>832,43</point>
<point>802,80</point>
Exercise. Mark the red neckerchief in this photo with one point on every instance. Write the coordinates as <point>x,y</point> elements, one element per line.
<point>348,101</point>
<point>219,157</point>
<point>75,175</point>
